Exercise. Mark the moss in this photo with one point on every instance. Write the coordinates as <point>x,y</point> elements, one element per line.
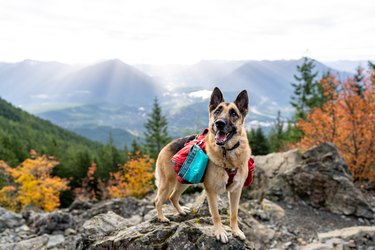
<point>197,221</point>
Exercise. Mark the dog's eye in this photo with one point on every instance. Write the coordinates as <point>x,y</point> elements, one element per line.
<point>233,113</point>
<point>218,111</point>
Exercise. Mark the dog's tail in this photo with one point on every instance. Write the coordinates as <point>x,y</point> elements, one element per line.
<point>157,178</point>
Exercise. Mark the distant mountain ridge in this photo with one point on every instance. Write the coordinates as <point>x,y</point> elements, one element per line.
<point>33,82</point>
<point>114,95</point>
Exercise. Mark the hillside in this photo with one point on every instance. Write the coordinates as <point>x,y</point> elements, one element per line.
<point>20,132</point>
<point>30,132</point>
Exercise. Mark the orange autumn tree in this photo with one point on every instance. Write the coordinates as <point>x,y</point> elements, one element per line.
<point>134,178</point>
<point>87,190</point>
<point>347,119</point>
<point>33,183</point>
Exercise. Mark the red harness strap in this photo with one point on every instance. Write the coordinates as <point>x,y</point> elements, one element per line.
<point>233,171</point>
<point>231,174</point>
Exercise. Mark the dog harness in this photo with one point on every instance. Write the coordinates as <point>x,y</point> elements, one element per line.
<point>180,157</point>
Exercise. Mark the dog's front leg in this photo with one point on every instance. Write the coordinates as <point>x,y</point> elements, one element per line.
<point>234,198</point>
<point>218,226</point>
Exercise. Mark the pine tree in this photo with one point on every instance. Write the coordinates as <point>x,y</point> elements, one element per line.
<point>306,90</point>
<point>258,142</point>
<point>276,136</point>
<point>156,134</point>
<point>358,78</point>
<point>136,148</point>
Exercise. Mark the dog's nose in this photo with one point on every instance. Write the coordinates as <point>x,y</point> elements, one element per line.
<point>220,124</point>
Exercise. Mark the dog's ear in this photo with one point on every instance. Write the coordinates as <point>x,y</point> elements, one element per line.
<point>216,99</point>
<point>242,102</point>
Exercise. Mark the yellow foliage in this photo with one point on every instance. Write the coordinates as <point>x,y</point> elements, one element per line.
<point>133,179</point>
<point>33,183</point>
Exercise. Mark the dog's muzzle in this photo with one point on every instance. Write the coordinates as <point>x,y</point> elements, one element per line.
<point>223,131</point>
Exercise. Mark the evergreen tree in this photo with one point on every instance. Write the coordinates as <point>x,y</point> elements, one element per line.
<point>306,90</point>
<point>276,136</point>
<point>358,77</point>
<point>292,133</point>
<point>258,142</point>
<point>136,147</point>
<point>156,134</point>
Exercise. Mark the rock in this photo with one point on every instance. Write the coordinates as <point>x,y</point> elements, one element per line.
<point>79,206</point>
<point>48,223</point>
<point>10,219</point>
<point>192,231</point>
<point>132,221</point>
<point>318,246</point>
<point>198,209</point>
<point>362,238</point>
<point>174,235</point>
<point>125,207</point>
<point>256,232</point>
<point>70,231</point>
<point>266,210</point>
<point>36,243</point>
<point>361,235</point>
<point>98,227</point>
<point>55,240</point>
<point>319,177</point>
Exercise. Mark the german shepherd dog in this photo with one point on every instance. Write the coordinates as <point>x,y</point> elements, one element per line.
<point>227,148</point>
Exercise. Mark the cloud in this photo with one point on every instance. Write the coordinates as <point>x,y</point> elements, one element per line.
<point>203,94</point>
<point>185,31</point>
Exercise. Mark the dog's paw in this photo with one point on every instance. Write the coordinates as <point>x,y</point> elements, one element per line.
<point>239,234</point>
<point>221,235</point>
<point>163,219</point>
<point>184,210</point>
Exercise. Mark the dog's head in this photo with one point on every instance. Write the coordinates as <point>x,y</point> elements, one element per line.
<point>226,119</point>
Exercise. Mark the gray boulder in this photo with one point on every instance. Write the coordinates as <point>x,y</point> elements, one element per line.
<point>362,238</point>
<point>9,219</point>
<point>37,243</point>
<point>98,227</point>
<point>125,207</point>
<point>54,222</point>
<point>319,177</point>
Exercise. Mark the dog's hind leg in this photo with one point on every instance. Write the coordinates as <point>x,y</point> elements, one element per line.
<point>175,197</point>
<point>161,198</point>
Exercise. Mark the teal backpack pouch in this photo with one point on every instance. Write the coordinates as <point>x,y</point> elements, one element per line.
<point>194,166</point>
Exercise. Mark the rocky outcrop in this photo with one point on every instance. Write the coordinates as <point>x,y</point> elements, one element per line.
<point>51,223</point>
<point>98,227</point>
<point>9,220</point>
<point>192,231</point>
<point>361,238</point>
<point>189,234</point>
<point>319,177</point>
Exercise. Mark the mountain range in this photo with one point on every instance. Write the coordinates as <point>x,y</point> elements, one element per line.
<point>112,97</point>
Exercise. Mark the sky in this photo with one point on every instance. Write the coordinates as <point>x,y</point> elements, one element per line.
<point>183,32</point>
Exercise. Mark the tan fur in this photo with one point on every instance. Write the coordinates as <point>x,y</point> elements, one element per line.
<point>216,178</point>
